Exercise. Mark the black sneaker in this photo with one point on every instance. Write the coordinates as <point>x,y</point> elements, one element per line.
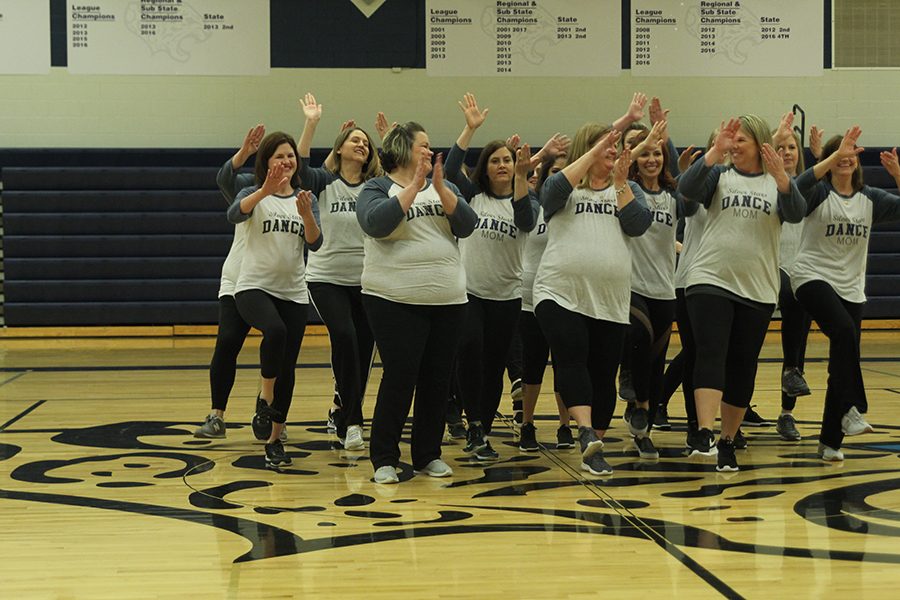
<point>793,384</point>
<point>528,438</point>
<point>646,449</point>
<point>330,422</point>
<point>276,457</point>
<point>786,426</point>
<point>626,388</point>
<point>727,461</point>
<point>701,442</point>
<point>629,410</point>
<point>262,420</point>
<point>474,438</point>
<point>640,422</point>
<point>486,453</point>
<point>457,431</point>
<point>564,439</point>
<point>661,420</point>
<point>753,419</point>
<point>740,442</point>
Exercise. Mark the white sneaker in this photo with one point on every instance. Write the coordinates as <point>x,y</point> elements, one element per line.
<point>386,474</point>
<point>354,439</point>
<point>830,454</point>
<point>283,435</point>
<point>853,423</point>
<point>437,468</point>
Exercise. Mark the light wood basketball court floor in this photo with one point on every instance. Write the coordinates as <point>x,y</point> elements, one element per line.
<point>105,493</point>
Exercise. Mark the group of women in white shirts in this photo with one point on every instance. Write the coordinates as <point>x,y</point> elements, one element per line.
<point>437,267</point>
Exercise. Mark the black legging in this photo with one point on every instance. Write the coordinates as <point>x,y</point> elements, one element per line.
<point>651,327</point>
<point>487,334</point>
<point>514,356</point>
<point>681,369</point>
<point>841,321</point>
<point>535,350</point>
<point>352,344</point>
<point>416,344</point>
<point>729,336</point>
<point>795,322</point>
<point>586,355</point>
<point>230,338</point>
<point>283,324</point>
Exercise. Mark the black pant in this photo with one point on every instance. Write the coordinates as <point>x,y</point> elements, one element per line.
<point>535,349</point>
<point>586,355</point>
<point>487,334</point>
<point>681,369</point>
<point>283,324</point>
<point>352,344</point>
<point>230,338</point>
<point>729,336</point>
<point>514,356</point>
<point>841,321</point>
<point>651,327</point>
<point>795,322</point>
<point>416,344</point>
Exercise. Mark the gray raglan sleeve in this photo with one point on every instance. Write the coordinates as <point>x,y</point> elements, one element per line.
<point>378,213</point>
<point>464,218</point>
<point>453,172</point>
<point>635,218</point>
<point>314,180</point>
<point>231,182</point>
<point>792,206</point>
<point>673,158</point>
<point>698,183</point>
<point>885,206</point>
<point>554,194</point>
<point>812,190</point>
<point>525,211</point>
<point>234,213</point>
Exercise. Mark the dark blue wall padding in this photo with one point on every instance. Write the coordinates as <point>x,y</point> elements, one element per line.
<point>138,236</point>
<point>70,246</point>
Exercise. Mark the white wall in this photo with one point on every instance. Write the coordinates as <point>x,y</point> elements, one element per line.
<point>63,110</point>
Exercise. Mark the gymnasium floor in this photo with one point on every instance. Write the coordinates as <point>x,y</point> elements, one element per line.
<point>104,493</point>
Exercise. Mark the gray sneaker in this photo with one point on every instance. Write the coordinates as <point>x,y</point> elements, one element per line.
<point>436,468</point>
<point>214,427</point>
<point>830,454</point>
<point>386,474</point>
<point>590,443</point>
<point>283,435</point>
<point>793,384</point>
<point>786,426</point>
<point>596,464</point>
<point>639,423</point>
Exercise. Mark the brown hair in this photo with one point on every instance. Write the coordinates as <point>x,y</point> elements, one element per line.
<point>479,173</point>
<point>371,168</point>
<point>585,138</point>
<point>396,148</point>
<point>664,179</point>
<point>856,180</point>
<point>267,149</point>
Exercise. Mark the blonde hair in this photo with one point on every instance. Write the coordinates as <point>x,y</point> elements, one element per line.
<point>585,139</point>
<point>757,128</point>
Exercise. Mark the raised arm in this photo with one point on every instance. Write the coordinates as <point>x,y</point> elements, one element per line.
<point>228,179</point>
<point>307,208</point>
<point>575,171</point>
<point>525,206</point>
<point>461,216</point>
<point>891,165</point>
<point>847,149</point>
<point>634,113</point>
